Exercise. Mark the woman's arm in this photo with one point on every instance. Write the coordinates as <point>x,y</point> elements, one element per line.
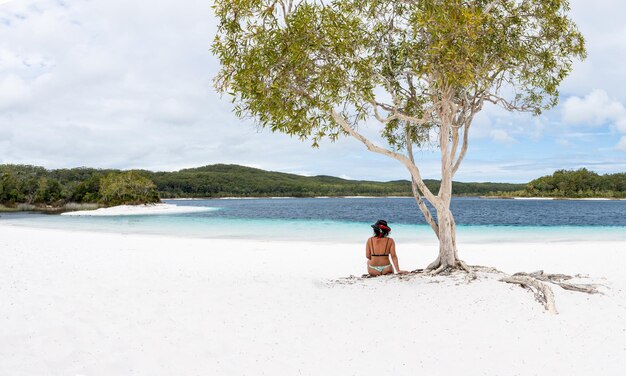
<point>394,258</point>
<point>368,251</point>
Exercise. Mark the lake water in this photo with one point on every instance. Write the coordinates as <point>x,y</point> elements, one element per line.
<point>348,220</point>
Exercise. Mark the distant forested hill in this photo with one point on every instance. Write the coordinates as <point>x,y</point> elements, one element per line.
<point>32,185</point>
<point>232,180</point>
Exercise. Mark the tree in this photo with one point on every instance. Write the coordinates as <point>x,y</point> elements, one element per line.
<point>421,69</point>
<point>9,188</point>
<point>87,190</point>
<point>48,191</point>
<point>127,188</point>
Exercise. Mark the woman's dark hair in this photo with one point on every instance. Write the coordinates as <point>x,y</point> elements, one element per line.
<point>380,234</point>
<point>381,229</point>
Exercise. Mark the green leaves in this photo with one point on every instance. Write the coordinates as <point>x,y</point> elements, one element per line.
<point>578,184</point>
<point>127,188</point>
<point>288,68</point>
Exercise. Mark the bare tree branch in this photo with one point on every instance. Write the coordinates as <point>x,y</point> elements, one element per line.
<point>457,164</point>
<point>416,193</point>
<point>507,105</point>
<point>396,114</point>
<point>455,141</point>
<point>380,150</point>
<point>475,107</point>
<point>490,6</point>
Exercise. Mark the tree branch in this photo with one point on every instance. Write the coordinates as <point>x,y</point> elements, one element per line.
<point>475,107</point>
<point>380,150</point>
<point>463,148</point>
<point>455,142</point>
<point>420,203</point>
<point>490,6</point>
<point>507,105</point>
<point>395,114</point>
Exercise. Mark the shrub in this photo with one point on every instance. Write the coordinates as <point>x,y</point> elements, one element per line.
<point>127,188</point>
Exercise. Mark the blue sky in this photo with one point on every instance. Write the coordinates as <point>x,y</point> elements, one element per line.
<point>118,84</point>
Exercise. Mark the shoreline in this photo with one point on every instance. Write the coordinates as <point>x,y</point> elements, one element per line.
<point>73,207</point>
<point>316,233</point>
<point>553,198</point>
<point>357,197</point>
<point>145,209</point>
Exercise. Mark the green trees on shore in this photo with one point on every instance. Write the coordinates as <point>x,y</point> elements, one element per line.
<point>581,183</point>
<point>36,186</point>
<point>127,188</point>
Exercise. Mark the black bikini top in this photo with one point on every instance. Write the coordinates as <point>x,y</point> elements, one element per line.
<point>386,249</point>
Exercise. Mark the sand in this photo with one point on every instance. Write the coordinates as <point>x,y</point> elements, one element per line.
<point>81,303</point>
<point>151,209</point>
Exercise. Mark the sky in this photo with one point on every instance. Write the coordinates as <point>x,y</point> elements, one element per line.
<point>128,84</point>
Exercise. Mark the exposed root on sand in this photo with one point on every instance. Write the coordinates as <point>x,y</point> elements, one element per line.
<point>543,293</point>
<point>437,268</point>
<point>537,282</point>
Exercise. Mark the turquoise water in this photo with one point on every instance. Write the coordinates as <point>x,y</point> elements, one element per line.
<point>311,220</point>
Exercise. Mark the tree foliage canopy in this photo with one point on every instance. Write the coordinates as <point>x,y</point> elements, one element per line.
<point>290,64</point>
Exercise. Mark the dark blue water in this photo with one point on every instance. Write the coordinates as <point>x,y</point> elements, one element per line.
<point>467,211</point>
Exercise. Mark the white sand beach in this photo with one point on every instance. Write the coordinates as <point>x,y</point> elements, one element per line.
<point>81,303</point>
<point>150,209</point>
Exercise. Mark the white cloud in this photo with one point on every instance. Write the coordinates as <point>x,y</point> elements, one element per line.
<point>501,136</point>
<point>9,59</point>
<point>564,143</point>
<point>173,111</point>
<point>595,109</point>
<point>602,24</point>
<point>14,91</point>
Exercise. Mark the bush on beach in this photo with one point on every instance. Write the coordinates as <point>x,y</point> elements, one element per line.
<point>127,188</point>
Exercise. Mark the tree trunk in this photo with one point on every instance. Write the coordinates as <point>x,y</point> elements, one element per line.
<point>448,255</point>
<point>445,220</point>
<point>447,245</point>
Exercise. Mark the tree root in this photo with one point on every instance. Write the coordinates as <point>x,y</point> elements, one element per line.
<point>537,282</point>
<point>543,293</point>
<point>434,265</point>
<point>438,268</point>
<point>558,279</point>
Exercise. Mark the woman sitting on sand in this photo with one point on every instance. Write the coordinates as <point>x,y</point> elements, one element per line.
<point>378,249</point>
